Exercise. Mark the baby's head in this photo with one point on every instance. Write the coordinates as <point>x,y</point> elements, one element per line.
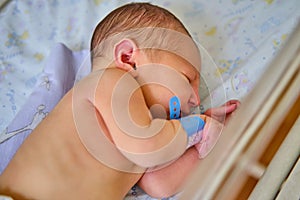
<point>142,27</point>
<point>134,16</point>
<point>133,21</point>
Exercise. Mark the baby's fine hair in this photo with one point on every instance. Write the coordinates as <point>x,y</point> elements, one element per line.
<point>133,16</point>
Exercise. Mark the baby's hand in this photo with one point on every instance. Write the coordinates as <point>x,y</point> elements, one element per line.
<point>224,112</point>
<point>215,119</point>
<point>210,136</point>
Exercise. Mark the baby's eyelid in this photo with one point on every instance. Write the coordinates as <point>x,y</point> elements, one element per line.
<point>187,78</point>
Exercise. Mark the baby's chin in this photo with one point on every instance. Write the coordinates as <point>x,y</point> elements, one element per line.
<point>185,113</point>
<point>189,111</point>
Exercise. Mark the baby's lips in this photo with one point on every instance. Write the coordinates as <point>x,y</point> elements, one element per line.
<point>211,134</point>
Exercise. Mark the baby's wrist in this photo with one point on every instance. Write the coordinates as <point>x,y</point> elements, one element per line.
<point>193,126</point>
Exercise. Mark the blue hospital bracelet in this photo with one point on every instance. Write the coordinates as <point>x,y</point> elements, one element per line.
<point>174,107</point>
<point>192,124</point>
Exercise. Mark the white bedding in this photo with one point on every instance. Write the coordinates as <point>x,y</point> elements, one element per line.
<point>238,40</point>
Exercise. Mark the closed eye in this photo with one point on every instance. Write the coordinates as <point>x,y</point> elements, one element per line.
<point>187,77</point>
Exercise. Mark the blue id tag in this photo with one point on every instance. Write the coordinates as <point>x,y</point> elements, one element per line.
<point>191,124</point>
<point>174,107</point>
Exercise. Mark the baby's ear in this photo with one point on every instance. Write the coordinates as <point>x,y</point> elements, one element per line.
<point>124,53</point>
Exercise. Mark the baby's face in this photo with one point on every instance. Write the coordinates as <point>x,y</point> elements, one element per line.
<point>170,75</point>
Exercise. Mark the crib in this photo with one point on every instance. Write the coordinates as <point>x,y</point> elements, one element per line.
<point>263,153</point>
<point>249,50</point>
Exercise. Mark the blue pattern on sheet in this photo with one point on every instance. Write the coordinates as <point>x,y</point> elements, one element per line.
<point>241,36</point>
<point>28,29</point>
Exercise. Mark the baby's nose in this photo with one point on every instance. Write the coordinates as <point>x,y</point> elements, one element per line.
<point>194,99</point>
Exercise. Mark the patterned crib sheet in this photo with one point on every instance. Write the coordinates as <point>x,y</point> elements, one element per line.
<point>241,38</point>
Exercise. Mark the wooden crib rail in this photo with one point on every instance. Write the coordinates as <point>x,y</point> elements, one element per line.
<point>241,159</point>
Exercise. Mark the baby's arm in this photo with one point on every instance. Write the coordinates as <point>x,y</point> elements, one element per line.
<point>145,141</point>
<point>169,180</point>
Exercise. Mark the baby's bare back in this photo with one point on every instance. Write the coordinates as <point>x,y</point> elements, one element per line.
<point>53,163</point>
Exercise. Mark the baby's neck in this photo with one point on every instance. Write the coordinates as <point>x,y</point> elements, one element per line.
<point>102,63</point>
